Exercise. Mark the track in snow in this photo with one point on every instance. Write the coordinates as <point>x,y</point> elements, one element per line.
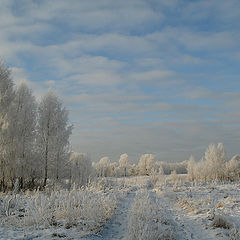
<point>117,227</point>
<point>189,228</point>
<point>195,231</point>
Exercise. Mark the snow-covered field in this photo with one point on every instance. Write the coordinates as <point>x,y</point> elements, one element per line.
<point>205,211</point>
<point>124,208</point>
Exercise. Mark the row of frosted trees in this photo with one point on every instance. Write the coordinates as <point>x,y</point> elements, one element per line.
<point>214,166</point>
<point>147,165</point>
<point>34,137</point>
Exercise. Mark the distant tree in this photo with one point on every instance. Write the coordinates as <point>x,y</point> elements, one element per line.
<point>53,134</point>
<point>146,164</point>
<point>113,169</point>
<point>190,168</point>
<point>233,168</point>
<point>215,161</point>
<point>81,168</point>
<point>123,164</point>
<point>133,170</point>
<point>103,168</point>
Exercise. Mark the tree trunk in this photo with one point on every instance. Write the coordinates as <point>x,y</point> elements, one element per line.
<point>46,168</point>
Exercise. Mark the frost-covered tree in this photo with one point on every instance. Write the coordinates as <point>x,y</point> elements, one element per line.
<point>123,164</point>
<point>133,171</point>
<point>81,168</point>
<point>190,168</point>
<point>146,164</point>
<point>103,168</point>
<point>233,168</point>
<point>6,93</point>
<point>6,97</point>
<point>21,132</point>
<point>53,134</point>
<point>215,161</point>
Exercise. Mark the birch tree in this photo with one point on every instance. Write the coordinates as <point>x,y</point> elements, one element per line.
<point>6,97</point>
<point>123,164</point>
<point>22,123</point>
<point>81,168</point>
<point>215,162</point>
<point>146,163</point>
<point>53,135</point>
<point>103,167</point>
<point>190,168</point>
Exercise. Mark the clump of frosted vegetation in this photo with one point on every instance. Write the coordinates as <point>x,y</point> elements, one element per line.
<point>85,209</point>
<point>214,166</point>
<point>149,220</point>
<point>220,221</point>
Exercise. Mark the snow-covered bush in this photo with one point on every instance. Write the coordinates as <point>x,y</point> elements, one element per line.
<point>149,220</point>
<point>158,176</point>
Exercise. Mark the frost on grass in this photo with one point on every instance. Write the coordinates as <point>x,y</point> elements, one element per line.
<point>149,220</point>
<point>83,209</point>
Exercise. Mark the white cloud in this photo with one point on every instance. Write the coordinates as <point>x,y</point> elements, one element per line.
<point>127,69</point>
<point>85,64</point>
<point>164,78</point>
<point>97,78</point>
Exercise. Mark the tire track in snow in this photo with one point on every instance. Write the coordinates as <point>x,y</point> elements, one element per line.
<point>117,227</point>
<point>192,230</point>
<point>189,228</point>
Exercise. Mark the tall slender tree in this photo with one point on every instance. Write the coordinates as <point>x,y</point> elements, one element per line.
<point>6,97</point>
<point>22,119</point>
<point>53,134</point>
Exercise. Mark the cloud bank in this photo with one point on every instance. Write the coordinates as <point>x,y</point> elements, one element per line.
<point>137,76</point>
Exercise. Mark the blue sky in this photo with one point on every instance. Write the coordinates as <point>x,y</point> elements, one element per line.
<point>153,76</point>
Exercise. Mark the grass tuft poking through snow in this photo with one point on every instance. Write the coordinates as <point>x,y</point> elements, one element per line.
<point>221,222</point>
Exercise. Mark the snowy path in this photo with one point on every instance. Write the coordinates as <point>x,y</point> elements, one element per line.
<point>189,228</point>
<point>192,230</point>
<point>117,227</point>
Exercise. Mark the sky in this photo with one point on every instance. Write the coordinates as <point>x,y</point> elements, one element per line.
<point>137,76</point>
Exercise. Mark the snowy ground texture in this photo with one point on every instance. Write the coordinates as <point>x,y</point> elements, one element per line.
<point>125,208</point>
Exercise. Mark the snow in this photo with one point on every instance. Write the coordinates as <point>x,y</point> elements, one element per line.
<point>117,227</point>
<point>114,206</point>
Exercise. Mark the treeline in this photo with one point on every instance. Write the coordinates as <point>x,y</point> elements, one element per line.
<point>214,166</point>
<point>34,137</point>
<point>147,165</point>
